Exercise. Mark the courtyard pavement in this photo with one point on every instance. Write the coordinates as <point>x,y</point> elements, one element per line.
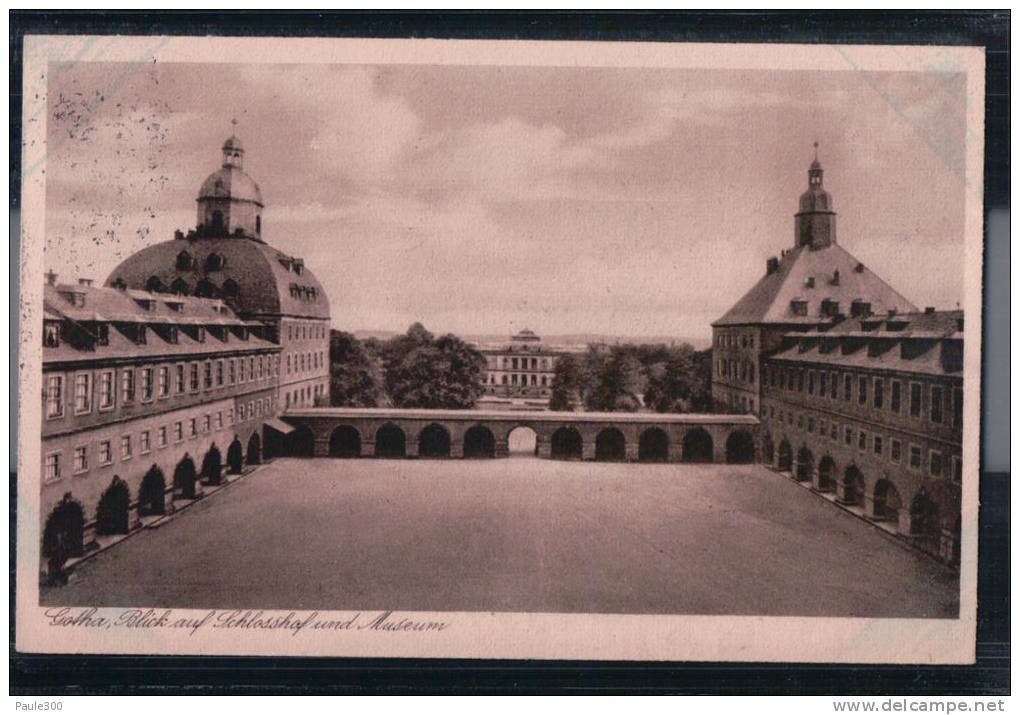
<point>517,534</point>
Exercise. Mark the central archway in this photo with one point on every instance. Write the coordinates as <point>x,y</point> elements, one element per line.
<point>64,534</point>
<point>566,443</point>
<point>740,447</point>
<point>112,513</point>
<point>212,466</point>
<point>255,449</point>
<point>235,456</point>
<point>522,441</point>
<point>610,446</point>
<point>434,442</point>
<point>152,493</point>
<point>653,446</point>
<point>301,442</point>
<point>185,478</point>
<point>853,486</point>
<point>887,503</point>
<point>479,443</point>
<point>826,470</point>
<point>345,442</point>
<point>785,463</point>
<point>697,446</point>
<point>390,442</point>
<point>805,465</point>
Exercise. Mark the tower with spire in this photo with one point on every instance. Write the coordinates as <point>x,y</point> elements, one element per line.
<point>815,223</point>
<point>229,201</point>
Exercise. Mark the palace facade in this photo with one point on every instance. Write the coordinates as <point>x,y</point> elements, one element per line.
<point>859,393</point>
<point>520,372</point>
<point>171,376</point>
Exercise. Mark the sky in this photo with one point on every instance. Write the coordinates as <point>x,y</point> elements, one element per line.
<point>620,201</point>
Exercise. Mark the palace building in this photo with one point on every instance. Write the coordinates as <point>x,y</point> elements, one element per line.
<point>175,371</point>
<point>859,393</point>
<point>519,373</point>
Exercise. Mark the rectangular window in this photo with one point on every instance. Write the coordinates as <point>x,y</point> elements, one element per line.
<point>178,431</point>
<point>148,385</point>
<point>879,393</point>
<point>194,377</point>
<point>232,371</point>
<point>81,459</point>
<point>219,420</point>
<point>834,431</point>
<point>164,381</point>
<point>205,423</point>
<point>230,415</point>
<point>54,395</point>
<point>219,373</point>
<point>179,379</point>
<point>895,450</point>
<point>848,387</point>
<point>811,382</point>
<point>240,411</point>
<point>810,424</point>
<point>862,440</point>
<point>161,437</point>
<point>82,393</point>
<point>915,399</point>
<point>848,436</point>
<point>862,390</point>
<point>251,368</point>
<point>915,457</point>
<point>125,447</point>
<point>834,386</point>
<point>957,407</point>
<point>193,427</point>
<point>876,443</point>
<point>823,384</point>
<point>105,452</point>
<point>127,385</point>
<point>800,381</point>
<point>936,404</point>
<point>144,442</point>
<point>895,396</point>
<point>207,374</point>
<point>957,469</point>
<point>782,378</point>
<point>106,389</point>
<point>52,473</point>
<point>935,464</point>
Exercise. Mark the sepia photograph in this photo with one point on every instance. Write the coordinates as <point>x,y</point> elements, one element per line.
<point>356,347</point>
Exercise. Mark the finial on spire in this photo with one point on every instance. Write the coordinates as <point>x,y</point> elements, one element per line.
<point>234,122</point>
<point>816,150</point>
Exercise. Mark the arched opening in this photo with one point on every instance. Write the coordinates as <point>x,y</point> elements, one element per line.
<point>566,444</point>
<point>185,478</point>
<point>184,261</point>
<point>887,501</point>
<point>390,442</point>
<point>112,512</point>
<point>180,287</point>
<point>155,285</point>
<point>434,442</point>
<point>826,473</point>
<point>740,447</point>
<point>212,466</point>
<point>217,221</point>
<point>522,441</point>
<point>152,493</point>
<point>610,446</point>
<point>235,456</point>
<point>768,449</point>
<point>299,443</point>
<point>63,535</point>
<point>479,443</point>
<point>924,521</point>
<point>214,262</point>
<point>254,452</point>
<point>785,463</point>
<point>697,446</point>
<point>653,446</point>
<point>345,441</point>
<point>206,289</point>
<point>805,465</point>
<point>853,486</point>
<point>230,289</point>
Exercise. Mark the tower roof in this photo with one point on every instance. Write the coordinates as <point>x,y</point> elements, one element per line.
<point>230,182</point>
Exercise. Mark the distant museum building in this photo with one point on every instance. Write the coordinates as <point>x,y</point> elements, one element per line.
<point>172,375</point>
<point>520,372</point>
<point>859,393</point>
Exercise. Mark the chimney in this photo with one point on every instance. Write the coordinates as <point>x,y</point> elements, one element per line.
<point>178,235</point>
<point>859,268</point>
<point>771,266</point>
<point>51,277</point>
<point>835,277</point>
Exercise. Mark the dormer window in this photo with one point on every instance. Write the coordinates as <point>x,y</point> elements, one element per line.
<point>119,284</point>
<point>830,308</point>
<point>231,289</point>
<point>184,261</point>
<point>141,336</point>
<point>147,305</point>
<point>75,298</point>
<point>51,334</point>
<point>155,285</point>
<point>180,287</point>
<point>215,262</point>
<point>809,282</point>
<point>173,335</point>
<point>175,306</point>
<point>835,277</point>
<point>798,307</point>
<point>860,308</point>
<point>102,333</point>
<point>206,289</point>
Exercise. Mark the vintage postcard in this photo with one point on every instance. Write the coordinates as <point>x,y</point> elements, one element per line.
<point>492,349</point>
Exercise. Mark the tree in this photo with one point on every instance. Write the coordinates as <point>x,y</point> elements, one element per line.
<point>619,382</point>
<point>565,391</point>
<point>426,372</point>
<point>681,382</point>
<point>355,373</point>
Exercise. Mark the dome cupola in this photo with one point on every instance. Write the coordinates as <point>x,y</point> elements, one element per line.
<point>229,201</point>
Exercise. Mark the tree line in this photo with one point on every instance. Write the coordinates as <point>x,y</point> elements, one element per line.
<point>418,369</point>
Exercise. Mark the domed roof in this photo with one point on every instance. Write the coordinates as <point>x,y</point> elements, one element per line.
<point>233,143</point>
<point>815,199</point>
<point>267,282</point>
<point>230,182</point>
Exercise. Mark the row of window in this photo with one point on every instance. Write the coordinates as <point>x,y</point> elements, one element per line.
<point>306,331</point>
<point>869,391</point>
<point>736,370</point>
<point>181,430</point>
<point>304,396</point>
<point>145,384</point>
<point>734,340</point>
<point>519,379</point>
<point>305,361</point>
<point>512,363</point>
<point>875,443</point>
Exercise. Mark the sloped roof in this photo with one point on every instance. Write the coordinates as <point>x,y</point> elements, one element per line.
<point>769,300</point>
<point>263,274</point>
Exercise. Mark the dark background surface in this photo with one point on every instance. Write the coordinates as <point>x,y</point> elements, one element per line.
<point>70,675</point>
